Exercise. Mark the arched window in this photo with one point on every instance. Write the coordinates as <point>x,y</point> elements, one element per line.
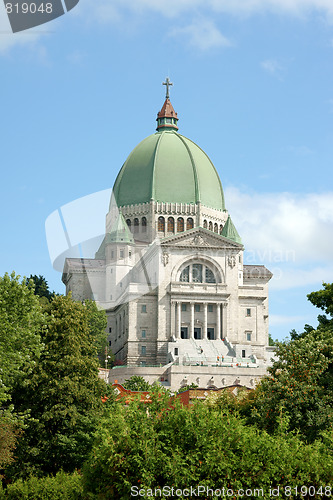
<point>197,273</point>
<point>171,225</point>
<point>210,227</point>
<point>216,228</point>
<point>180,225</point>
<point>129,223</point>
<point>189,223</point>
<point>136,225</point>
<point>161,225</point>
<point>205,224</point>
<point>185,275</point>
<point>144,224</point>
<point>221,227</point>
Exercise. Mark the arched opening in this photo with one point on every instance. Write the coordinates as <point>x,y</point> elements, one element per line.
<point>171,225</point>
<point>144,224</point>
<point>221,227</point>
<point>210,227</point>
<point>161,225</point>
<point>180,225</point>
<point>136,225</point>
<point>197,272</point>
<point>216,228</point>
<point>205,224</point>
<point>129,223</point>
<point>189,223</point>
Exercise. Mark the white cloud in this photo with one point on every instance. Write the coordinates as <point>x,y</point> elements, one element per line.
<point>202,34</point>
<point>273,67</point>
<point>285,276</point>
<point>276,319</point>
<point>174,8</point>
<point>292,234</point>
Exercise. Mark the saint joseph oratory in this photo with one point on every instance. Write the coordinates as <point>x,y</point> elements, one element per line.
<point>182,307</point>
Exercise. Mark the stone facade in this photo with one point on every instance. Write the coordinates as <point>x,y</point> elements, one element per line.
<point>181,305</point>
<point>180,301</point>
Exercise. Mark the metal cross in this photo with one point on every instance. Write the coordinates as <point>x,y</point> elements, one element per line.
<point>168,84</point>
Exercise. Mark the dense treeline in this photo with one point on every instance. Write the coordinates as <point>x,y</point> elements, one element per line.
<point>58,441</point>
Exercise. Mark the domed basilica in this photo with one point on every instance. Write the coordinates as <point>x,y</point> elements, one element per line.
<point>182,307</point>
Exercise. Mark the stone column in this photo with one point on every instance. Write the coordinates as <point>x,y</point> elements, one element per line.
<point>224,319</point>
<point>204,333</point>
<point>192,321</point>
<point>179,320</point>
<point>218,321</point>
<point>173,318</point>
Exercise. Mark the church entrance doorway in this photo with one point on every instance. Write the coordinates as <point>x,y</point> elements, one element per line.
<point>210,334</point>
<point>197,333</point>
<point>184,332</point>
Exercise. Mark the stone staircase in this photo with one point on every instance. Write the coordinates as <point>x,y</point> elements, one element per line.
<point>201,352</point>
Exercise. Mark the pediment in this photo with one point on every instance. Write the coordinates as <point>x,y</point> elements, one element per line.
<point>199,238</point>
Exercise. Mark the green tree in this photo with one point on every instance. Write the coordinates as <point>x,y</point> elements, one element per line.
<point>323,299</point>
<point>63,393</point>
<point>207,446</point>
<point>41,287</point>
<point>137,383</point>
<point>10,430</point>
<point>300,384</point>
<point>97,321</point>
<point>21,319</point>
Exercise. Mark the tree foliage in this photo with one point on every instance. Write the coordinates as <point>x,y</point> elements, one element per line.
<point>301,379</point>
<point>40,286</point>
<point>97,321</point>
<point>301,383</point>
<point>137,383</point>
<point>21,320</point>
<point>203,445</point>
<point>62,394</point>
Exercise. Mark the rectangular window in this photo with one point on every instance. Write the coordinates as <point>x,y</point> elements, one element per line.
<point>184,307</point>
<point>143,334</point>
<point>197,273</point>
<point>112,255</point>
<point>210,308</point>
<point>248,336</point>
<point>176,351</point>
<point>110,329</point>
<point>143,363</point>
<point>197,307</point>
<point>143,350</point>
<point>143,308</point>
<point>110,342</point>
<point>121,254</point>
<point>243,353</point>
<point>248,312</point>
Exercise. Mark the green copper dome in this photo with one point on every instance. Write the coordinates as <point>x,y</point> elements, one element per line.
<point>167,167</point>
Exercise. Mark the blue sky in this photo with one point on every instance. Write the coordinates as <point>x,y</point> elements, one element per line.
<point>253,86</point>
